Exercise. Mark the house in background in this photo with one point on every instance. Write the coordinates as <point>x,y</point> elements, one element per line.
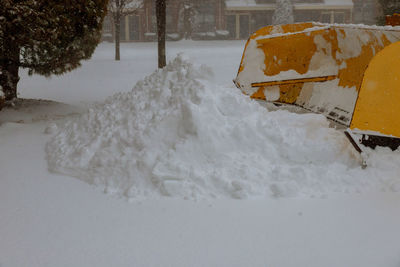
<point>208,21</point>
<point>246,16</point>
<point>225,19</point>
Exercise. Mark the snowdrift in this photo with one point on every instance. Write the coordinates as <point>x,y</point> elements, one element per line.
<point>178,134</point>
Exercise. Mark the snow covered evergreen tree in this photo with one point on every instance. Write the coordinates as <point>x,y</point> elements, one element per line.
<point>283,12</point>
<point>46,37</point>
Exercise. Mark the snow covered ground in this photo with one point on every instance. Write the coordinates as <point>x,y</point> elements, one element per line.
<point>47,219</point>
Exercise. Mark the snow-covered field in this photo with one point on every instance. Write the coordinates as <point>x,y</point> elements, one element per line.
<point>305,201</point>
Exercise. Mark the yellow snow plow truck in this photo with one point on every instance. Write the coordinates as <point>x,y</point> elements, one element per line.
<point>349,73</point>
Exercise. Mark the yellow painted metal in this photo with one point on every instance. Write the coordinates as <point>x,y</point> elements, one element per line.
<point>268,30</point>
<point>295,45</point>
<point>288,92</point>
<point>282,55</point>
<point>378,105</point>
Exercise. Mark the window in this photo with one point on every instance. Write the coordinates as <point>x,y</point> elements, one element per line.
<point>231,25</point>
<point>122,33</point>
<point>332,17</point>
<point>326,17</point>
<point>262,19</point>
<point>107,25</point>
<point>244,23</point>
<point>339,17</point>
<point>134,27</point>
<point>204,20</point>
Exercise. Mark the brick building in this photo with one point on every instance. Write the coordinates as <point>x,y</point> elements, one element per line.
<point>224,19</point>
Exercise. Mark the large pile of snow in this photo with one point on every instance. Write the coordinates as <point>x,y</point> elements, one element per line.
<point>178,134</point>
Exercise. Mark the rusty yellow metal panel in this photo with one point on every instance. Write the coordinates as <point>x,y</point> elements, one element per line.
<point>288,52</point>
<point>378,105</point>
<point>268,30</point>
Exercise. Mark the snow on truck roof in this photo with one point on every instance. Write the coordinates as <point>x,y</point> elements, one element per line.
<point>253,5</point>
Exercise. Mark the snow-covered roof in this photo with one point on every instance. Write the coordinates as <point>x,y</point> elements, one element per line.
<point>252,5</point>
<point>238,3</point>
<point>134,4</point>
<point>339,2</point>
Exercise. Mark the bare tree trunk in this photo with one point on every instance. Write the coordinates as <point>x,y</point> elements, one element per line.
<point>9,73</point>
<point>117,24</point>
<point>161,28</point>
